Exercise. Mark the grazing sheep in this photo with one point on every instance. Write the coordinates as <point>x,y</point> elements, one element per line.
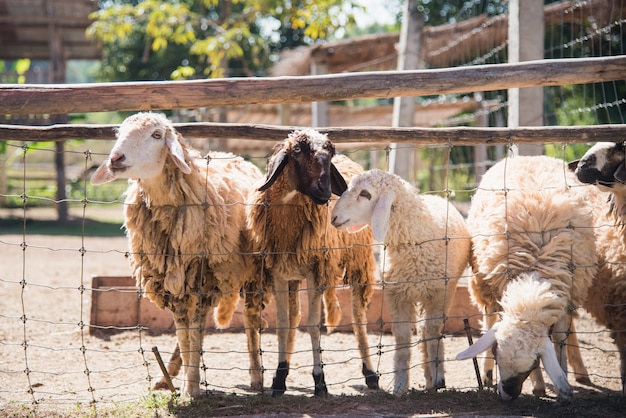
<point>185,219</point>
<point>533,258</point>
<point>604,165</point>
<point>427,250</point>
<point>290,225</point>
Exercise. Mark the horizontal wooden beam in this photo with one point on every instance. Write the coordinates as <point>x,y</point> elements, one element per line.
<point>190,94</point>
<point>373,135</point>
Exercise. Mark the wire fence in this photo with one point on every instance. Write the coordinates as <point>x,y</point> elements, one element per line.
<point>68,335</point>
<point>60,348</point>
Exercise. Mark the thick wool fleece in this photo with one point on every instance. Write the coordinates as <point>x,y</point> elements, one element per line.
<point>291,230</point>
<point>529,214</point>
<point>607,294</point>
<point>187,232</point>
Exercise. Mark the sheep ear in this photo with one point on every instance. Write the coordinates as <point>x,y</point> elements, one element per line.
<point>278,165</point>
<point>572,166</point>
<point>337,182</point>
<point>102,174</point>
<point>554,370</point>
<point>176,150</point>
<point>380,216</point>
<point>620,173</point>
<point>484,343</point>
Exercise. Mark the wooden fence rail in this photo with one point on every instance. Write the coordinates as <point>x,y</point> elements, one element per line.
<point>424,136</point>
<point>134,96</point>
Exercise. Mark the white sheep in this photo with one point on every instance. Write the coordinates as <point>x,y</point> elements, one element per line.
<point>533,258</point>
<point>604,165</point>
<point>290,225</point>
<point>185,218</point>
<point>427,250</point>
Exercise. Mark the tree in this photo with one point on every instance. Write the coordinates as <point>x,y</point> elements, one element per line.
<point>156,40</point>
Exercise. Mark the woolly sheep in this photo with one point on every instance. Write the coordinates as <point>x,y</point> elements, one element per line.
<point>186,224</point>
<point>604,165</point>
<point>290,224</point>
<point>533,258</point>
<point>427,250</point>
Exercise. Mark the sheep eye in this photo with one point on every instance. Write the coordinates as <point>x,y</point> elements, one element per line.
<point>365,194</point>
<point>157,135</point>
<point>296,149</point>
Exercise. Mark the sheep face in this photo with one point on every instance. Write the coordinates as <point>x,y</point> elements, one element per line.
<point>144,142</point>
<point>521,338</point>
<point>308,155</point>
<point>604,164</point>
<point>515,361</point>
<point>364,203</point>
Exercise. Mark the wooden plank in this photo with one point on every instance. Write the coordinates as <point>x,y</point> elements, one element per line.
<point>375,136</point>
<point>115,306</point>
<point>132,96</point>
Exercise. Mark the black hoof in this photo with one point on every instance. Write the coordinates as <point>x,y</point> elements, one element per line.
<point>320,385</point>
<point>371,378</point>
<point>278,384</point>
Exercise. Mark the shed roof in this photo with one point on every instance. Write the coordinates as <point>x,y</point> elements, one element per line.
<point>443,46</point>
<point>28,26</point>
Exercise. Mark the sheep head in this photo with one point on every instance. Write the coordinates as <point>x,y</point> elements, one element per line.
<point>144,142</point>
<point>521,339</point>
<point>306,155</point>
<point>367,201</point>
<point>603,164</point>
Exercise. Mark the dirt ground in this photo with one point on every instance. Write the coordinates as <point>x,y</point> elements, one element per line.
<point>48,354</point>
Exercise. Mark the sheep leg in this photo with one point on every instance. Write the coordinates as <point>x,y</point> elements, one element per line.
<point>575,358</point>
<point>403,314</point>
<point>359,328</point>
<point>489,319</point>
<point>294,316</point>
<point>182,334</point>
<point>433,355</point>
<point>620,341</point>
<point>314,322</point>
<point>254,323</point>
<point>195,335</point>
<point>285,331</point>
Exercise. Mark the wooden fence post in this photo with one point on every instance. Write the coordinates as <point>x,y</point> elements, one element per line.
<point>409,58</point>
<point>526,44</point>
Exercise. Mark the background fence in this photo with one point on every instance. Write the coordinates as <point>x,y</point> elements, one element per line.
<point>54,355</point>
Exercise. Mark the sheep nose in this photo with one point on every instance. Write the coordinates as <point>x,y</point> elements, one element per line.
<point>333,219</point>
<point>117,159</point>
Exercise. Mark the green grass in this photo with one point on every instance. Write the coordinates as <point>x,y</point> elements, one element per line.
<point>72,227</point>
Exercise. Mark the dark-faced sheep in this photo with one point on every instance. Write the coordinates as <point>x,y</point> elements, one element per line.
<point>185,218</point>
<point>290,224</point>
<point>427,248</point>
<point>533,259</point>
<point>604,165</point>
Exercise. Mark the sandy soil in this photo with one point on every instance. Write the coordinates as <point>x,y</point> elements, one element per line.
<point>48,354</point>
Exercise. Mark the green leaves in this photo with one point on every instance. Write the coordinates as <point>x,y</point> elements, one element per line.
<point>156,39</point>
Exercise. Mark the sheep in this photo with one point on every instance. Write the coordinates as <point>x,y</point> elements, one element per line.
<point>427,250</point>
<point>533,259</point>
<point>185,219</point>
<point>290,226</point>
<point>604,165</point>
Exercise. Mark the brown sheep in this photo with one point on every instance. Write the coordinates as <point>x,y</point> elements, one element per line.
<point>290,224</point>
<point>185,218</point>
<point>604,165</point>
